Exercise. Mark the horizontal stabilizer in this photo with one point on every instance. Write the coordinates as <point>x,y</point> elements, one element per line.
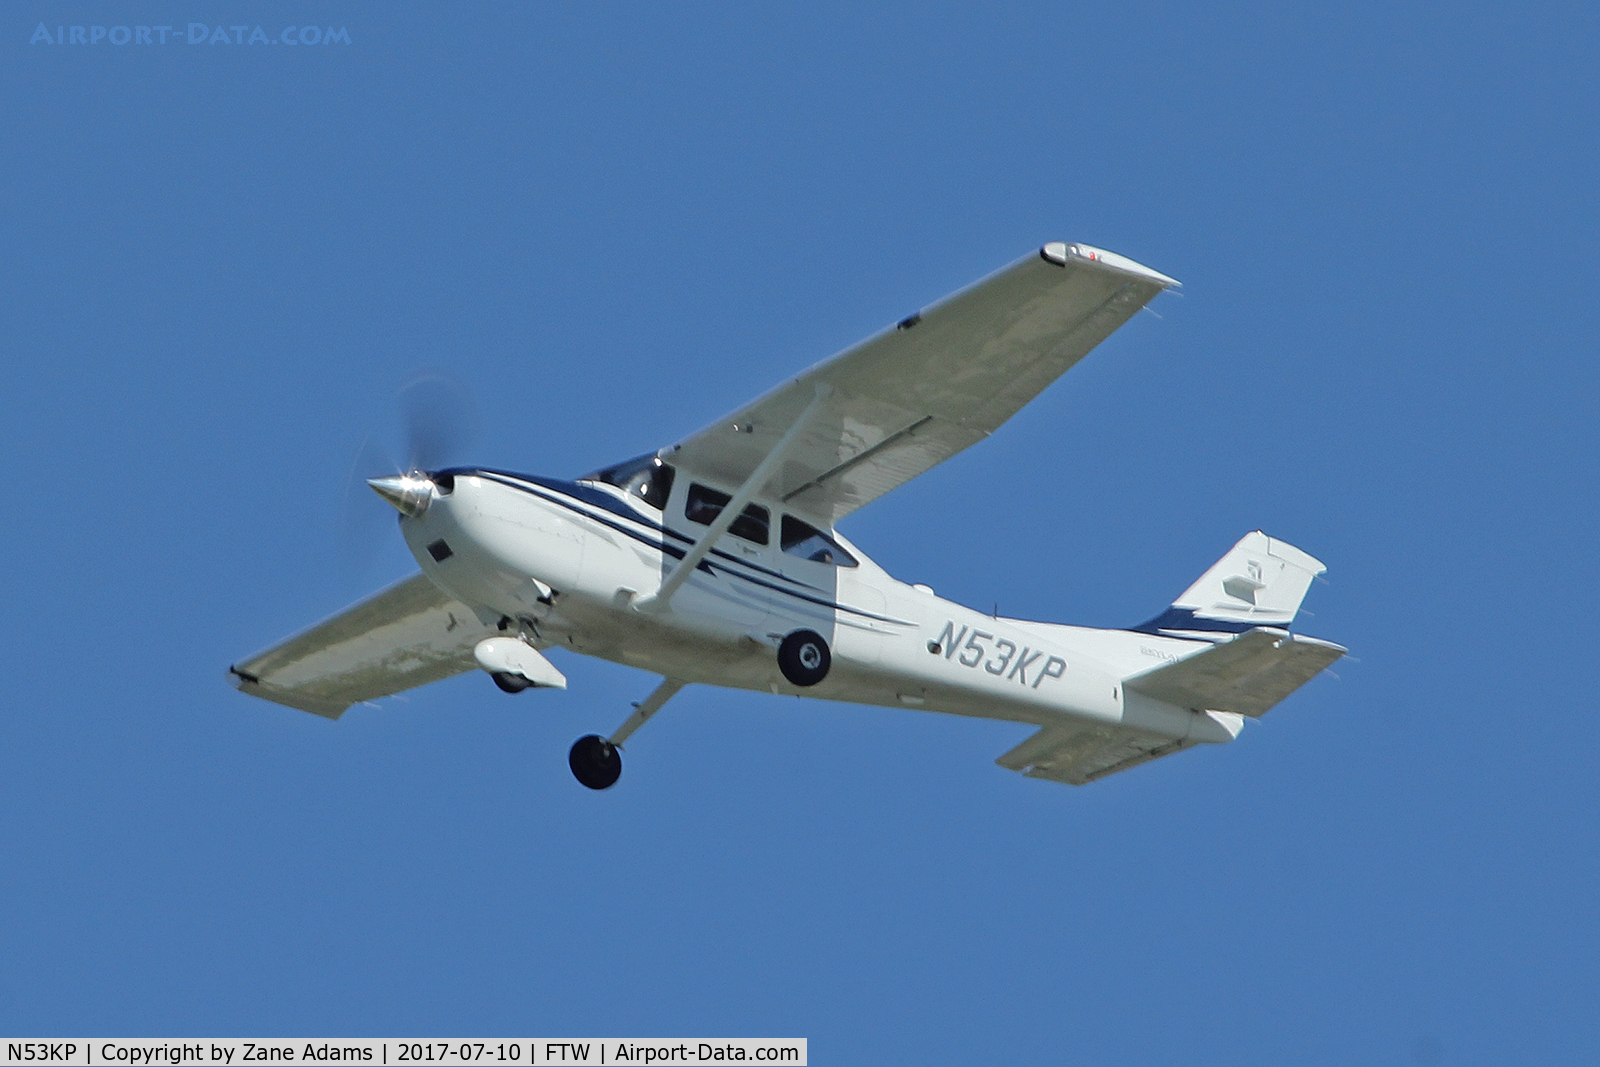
<point>1247,675</point>
<point>408,635</point>
<point>1077,757</point>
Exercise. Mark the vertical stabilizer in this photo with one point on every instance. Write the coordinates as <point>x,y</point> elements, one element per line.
<point>1260,582</point>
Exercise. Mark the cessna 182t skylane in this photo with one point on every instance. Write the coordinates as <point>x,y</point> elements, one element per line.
<point>716,561</point>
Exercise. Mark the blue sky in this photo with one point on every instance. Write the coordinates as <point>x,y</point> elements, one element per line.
<point>615,223</point>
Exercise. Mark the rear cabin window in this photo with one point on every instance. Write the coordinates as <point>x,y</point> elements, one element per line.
<point>703,505</point>
<point>645,477</point>
<point>806,541</point>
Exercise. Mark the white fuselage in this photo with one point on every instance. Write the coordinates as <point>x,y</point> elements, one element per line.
<point>568,563</point>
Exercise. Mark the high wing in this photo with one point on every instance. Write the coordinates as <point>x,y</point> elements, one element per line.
<point>408,635</point>
<point>921,391</point>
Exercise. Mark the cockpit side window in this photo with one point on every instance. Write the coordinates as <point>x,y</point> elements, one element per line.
<point>806,541</point>
<point>704,504</point>
<point>645,477</point>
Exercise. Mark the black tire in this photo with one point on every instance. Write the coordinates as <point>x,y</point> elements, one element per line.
<point>804,658</point>
<point>510,683</point>
<point>595,761</point>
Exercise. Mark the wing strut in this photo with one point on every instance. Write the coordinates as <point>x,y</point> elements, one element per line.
<point>734,508</point>
<point>641,712</point>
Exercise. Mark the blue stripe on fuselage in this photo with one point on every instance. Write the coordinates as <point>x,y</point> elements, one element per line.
<point>563,493</point>
<point>1186,619</point>
<point>601,499</point>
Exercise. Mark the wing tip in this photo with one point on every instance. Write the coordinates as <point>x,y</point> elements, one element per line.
<point>250,685</point>
<point>1060,253</point>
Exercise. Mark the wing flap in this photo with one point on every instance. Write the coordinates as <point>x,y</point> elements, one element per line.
<point>1078,757</point>
<point>916,394</point>
<point>1247,675</point>
<point>405,636</point>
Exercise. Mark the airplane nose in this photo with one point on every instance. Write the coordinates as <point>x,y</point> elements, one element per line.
<point>409,493</point>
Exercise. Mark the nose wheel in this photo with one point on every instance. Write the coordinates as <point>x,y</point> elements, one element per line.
<point>510,683</point>
<point>595,762</point>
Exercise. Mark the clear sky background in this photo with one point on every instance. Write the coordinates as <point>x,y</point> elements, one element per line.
<point>614,223</point>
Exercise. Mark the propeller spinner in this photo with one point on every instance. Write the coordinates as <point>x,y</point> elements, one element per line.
<point>438,421</point>
<point>409,493</point>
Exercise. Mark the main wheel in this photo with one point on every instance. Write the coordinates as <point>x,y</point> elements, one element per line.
<point>803,657</point>
<point>510,683</point>
<point>595,761</point>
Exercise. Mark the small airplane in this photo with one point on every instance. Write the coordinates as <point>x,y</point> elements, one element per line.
<point>718,561</point>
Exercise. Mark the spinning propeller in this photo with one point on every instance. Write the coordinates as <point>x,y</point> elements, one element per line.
<point>438,420</point>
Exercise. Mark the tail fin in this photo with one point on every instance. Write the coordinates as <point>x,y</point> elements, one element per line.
<point>1260,582</point>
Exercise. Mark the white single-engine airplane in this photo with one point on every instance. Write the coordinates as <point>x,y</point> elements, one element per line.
<point>716,561</point>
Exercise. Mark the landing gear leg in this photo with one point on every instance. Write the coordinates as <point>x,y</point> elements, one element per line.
<point>596,761</point>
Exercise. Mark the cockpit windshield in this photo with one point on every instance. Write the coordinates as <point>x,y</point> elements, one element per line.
<point>645,477</point>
